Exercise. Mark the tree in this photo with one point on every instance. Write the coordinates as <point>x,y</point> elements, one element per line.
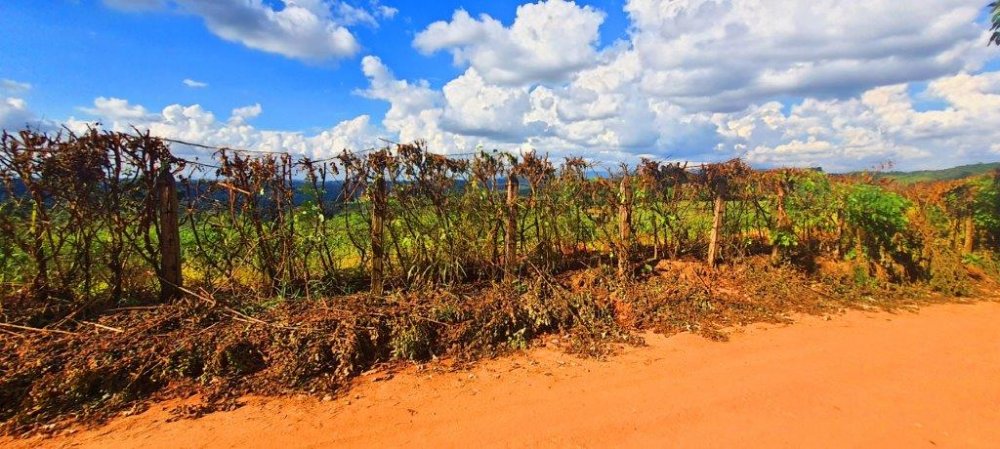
<point>995,27</point>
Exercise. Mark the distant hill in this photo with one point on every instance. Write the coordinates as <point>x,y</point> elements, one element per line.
<point>947,174</point>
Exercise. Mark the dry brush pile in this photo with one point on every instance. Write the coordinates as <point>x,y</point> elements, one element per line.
<point>128,273</point>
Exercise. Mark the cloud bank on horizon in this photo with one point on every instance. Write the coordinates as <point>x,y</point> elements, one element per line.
<point>842,85</point>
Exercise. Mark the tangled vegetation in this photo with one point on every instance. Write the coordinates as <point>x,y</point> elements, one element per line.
<point>127,272</point>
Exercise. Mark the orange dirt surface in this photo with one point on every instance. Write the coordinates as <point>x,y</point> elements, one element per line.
<point>862,379</point>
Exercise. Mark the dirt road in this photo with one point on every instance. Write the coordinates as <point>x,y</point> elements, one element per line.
<point>927,379</point>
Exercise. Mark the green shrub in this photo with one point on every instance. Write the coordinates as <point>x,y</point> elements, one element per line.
<point>986,208</point>
<point>877,216</point>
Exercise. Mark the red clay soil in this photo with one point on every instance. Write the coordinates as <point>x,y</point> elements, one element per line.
<point>925,379</point>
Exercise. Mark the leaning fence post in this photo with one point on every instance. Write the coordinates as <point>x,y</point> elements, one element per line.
<point>378,232</point>
<point>170,241</point>
<point>624,226</point>
<point>510,231</point>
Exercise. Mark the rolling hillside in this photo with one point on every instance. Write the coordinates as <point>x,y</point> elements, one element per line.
<point>947,174</point>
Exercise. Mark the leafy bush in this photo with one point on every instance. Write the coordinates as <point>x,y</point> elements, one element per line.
<point>877,216</point>
<point>811,201</point>
<point>986,207</point>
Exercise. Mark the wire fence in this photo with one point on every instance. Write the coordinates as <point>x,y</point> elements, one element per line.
<point>106,216</point>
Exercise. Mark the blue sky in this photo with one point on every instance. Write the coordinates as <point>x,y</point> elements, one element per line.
<point>75,51</point>
<point>841,84</point>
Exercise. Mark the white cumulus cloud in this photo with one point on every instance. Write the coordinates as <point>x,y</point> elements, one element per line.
<point>725,54</point>
<point>311,30</point>
<point>548,41</point>
<point>116,109</point>
<point>14,114</point>
<point>881,125</point>
<point>14,111</point>
<point>193,123</point>
<point>838,84</point>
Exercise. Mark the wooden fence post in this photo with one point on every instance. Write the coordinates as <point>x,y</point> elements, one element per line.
<point>625,227</point>
<point>379,206</point>
<point>713,239</point>
<point>510,231</point>
<point>783,224</point>
<point>171,279</point>
<point>970,234</point>
<point>40,283</point>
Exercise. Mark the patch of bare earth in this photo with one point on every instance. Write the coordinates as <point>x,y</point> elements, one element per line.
<point>861,379</point>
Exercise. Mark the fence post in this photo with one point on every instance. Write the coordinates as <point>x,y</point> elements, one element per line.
<point>379,207</point>
<point>40,283</point>
<point>170,241</point>
<point>970,234</point>
<point>624,226</point>
<point>713,239</point>
<point>510,231</point>
<point>782,226</point>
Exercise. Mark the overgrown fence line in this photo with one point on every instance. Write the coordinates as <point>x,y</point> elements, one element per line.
<point>110,218</point>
